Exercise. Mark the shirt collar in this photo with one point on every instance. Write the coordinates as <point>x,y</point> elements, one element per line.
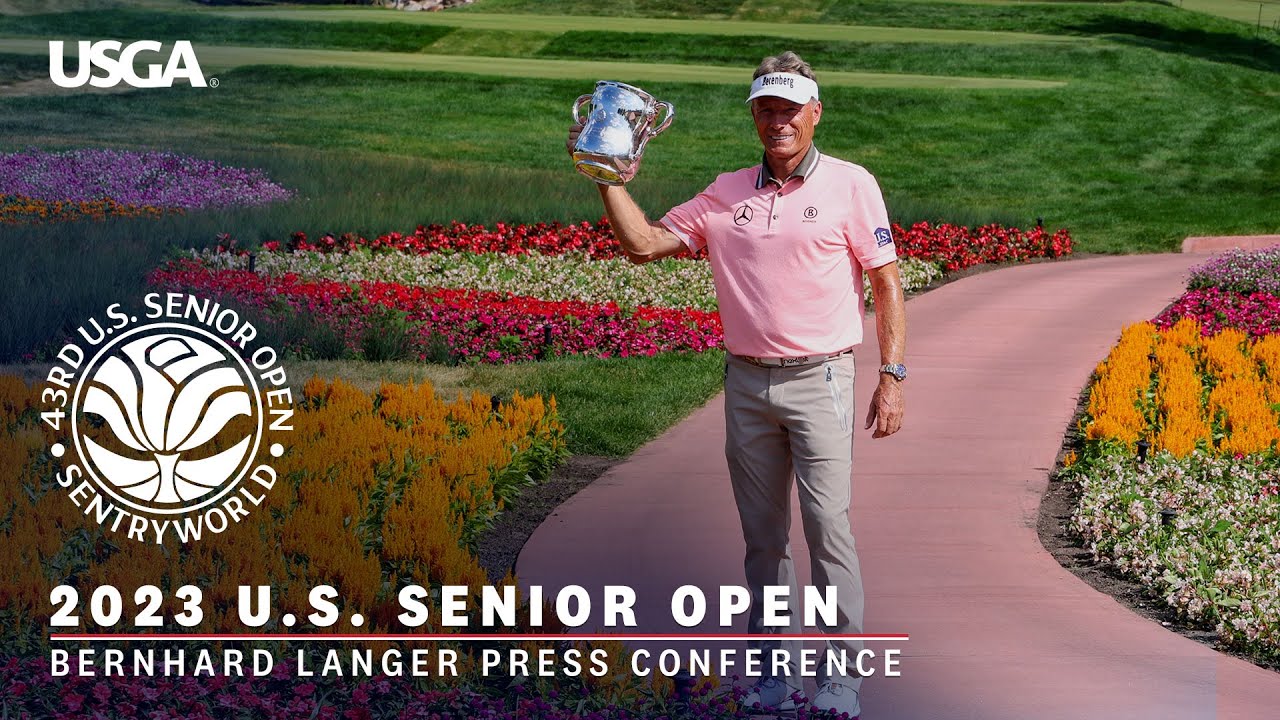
<point>804,169</point>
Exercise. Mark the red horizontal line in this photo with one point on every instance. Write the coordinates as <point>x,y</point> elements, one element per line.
<point>479,637</point>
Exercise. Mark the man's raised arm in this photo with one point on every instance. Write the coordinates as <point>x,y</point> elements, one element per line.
<point>641,239</point>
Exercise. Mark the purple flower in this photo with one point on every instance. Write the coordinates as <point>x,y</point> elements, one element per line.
<point>156,179</point>
<point>1240,271</point>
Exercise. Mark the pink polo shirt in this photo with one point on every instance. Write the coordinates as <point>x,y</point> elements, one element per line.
<point>787,261</point>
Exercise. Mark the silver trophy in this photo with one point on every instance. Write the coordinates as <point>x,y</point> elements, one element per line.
<point>622,119</point>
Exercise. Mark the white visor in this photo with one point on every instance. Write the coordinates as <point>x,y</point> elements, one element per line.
<point>790,86</point>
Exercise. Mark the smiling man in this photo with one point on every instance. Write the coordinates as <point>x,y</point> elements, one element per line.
<point>788,241</point>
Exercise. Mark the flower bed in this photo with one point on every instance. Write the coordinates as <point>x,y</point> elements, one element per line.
<point>1198,390</point>
<point>952,246</point>
<point>1238,289</point>
<point>17,209</point>
<point>595,240</point>
<point>1240,271</point>
<point>520,292</point>
<point>956,247</point>
<point>1256,313</point>
<point>669,283</point>
<point>141,179</point>
<point>1216,560</point>
<point>1182,391</point>
<point>463,324</point>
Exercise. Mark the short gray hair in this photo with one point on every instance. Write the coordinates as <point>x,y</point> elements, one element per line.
<point>787,62</point>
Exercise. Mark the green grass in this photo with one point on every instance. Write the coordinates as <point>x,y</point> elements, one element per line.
<point>612,407</point>
<point>41,7</point>
<point>1019,16</point>
<point>792,11</point>
<point>225,56</point>
<point>622,8</point>
<point>206,28</point>
<point>1053,62</point>
<point>492,43</point>
<point>1239,10</point>
<point>1051,18</point>
<point>587,22</point>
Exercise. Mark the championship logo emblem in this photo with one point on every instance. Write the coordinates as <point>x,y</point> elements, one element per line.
<point>167,416</point>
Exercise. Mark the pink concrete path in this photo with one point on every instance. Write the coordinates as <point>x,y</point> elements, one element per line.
<point>944,514</point>
<point>1214,244</point>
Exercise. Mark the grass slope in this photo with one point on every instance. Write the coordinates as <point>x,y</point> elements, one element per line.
<point>139,24</point>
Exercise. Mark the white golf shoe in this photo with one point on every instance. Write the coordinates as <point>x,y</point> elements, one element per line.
<point>836,701</point>
<point>773,694</point>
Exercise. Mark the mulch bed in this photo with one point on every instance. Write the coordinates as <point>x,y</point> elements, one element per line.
<point>499,547</point>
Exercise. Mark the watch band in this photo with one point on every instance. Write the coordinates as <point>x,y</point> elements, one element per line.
<point>897,370</point>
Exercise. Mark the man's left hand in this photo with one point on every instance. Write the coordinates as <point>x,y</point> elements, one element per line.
<point>886,408</point>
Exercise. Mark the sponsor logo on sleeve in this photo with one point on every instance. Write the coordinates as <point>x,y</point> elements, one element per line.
<point>883,237</point>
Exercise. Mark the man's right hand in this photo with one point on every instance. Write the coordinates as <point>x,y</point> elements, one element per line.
<point>574,131</point>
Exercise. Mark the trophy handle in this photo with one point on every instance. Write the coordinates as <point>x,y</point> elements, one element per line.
<point>577,107</point>
<point>667,117</point>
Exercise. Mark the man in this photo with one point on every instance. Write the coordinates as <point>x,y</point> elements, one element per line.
<point>788,241</point>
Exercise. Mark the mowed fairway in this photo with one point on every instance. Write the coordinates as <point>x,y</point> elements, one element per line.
<point>1246,11</point>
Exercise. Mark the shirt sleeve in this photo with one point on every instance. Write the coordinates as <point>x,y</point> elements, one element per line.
<point>689,220</point>
<point>869,235</point>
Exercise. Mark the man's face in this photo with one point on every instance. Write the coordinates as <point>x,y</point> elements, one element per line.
<point>785,128</point>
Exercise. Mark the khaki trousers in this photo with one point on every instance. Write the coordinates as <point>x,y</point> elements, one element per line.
<point>784,424</point>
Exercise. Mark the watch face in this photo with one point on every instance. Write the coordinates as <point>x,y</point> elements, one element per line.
<point>899,371</point>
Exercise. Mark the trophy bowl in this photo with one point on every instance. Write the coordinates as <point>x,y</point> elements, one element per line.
<point>621,120</point>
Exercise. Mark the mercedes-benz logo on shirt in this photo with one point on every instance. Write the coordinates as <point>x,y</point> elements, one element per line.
<point>742,216</point>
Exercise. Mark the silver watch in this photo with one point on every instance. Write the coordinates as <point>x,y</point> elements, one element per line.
<point>897,370</point>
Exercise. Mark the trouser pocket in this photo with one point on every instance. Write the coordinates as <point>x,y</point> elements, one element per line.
<point>837,398</point>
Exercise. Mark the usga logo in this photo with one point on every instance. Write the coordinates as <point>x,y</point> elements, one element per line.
<point>182,64</point>
<point>165,417</point>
